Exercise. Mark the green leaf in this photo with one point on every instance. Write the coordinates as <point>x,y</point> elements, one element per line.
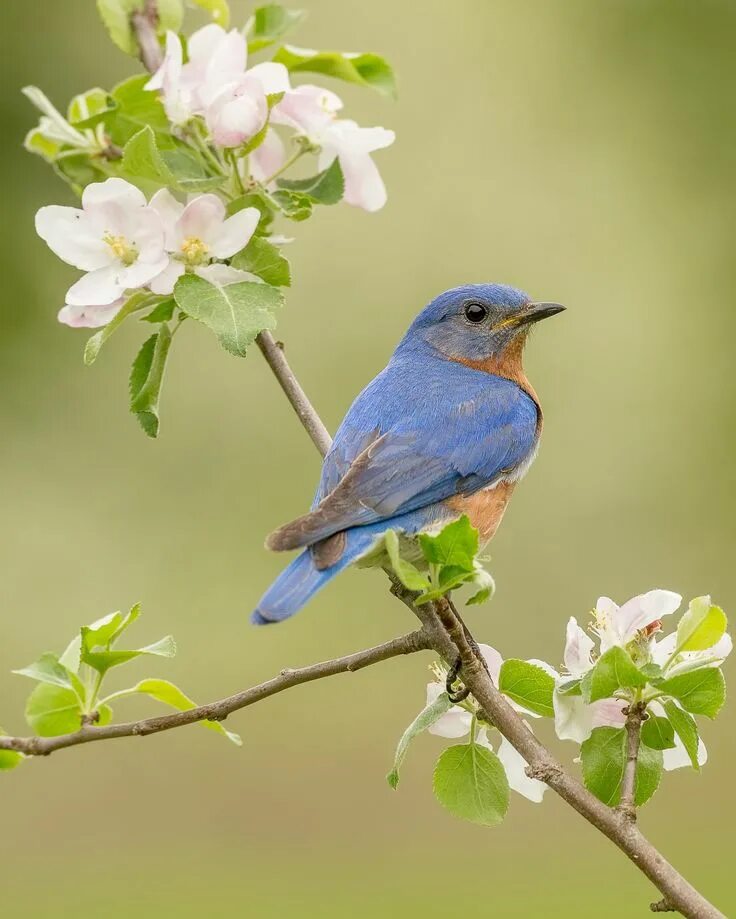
<point>425,719</point>
<point>701,627</point>
<point>102,659</point>
<point>456,545</point>
<point>137,108</point>
<point>163,312</point>
<point>236,313</point>
<point>9,759</point>
<point>53,710</point>
<point>364,69</point>
<point>102,631</point>
<point>470,781</point>
<point>701,692</point>
<point>47,669</point>
<point>270,23</point>
<point>570,688</point>
<point>90,108</point>
<point>218,9</point>
<point>95,343</point>
<point>294,205</point>
<point>146,378</point>
<point>37,142</point>
<point>142,159</point>
<point>264,260</point>
<point>658,733</point>
<point>116,15</point>
<point>686,730</point>
<point>604,758</point>
<point>78,170</point>
<point>528,685</point>
<point>169,694</point>
<point>613,670</point>
<point>484,580</point>
<point>408,574</point>
<point>327,187</point>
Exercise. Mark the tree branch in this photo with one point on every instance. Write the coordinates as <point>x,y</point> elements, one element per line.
<point>635,715</point>
<point>218,711</point>
<point>144,23</point>
<point>450,638</point>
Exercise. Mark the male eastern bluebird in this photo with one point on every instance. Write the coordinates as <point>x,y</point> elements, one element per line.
<point>447,428</point>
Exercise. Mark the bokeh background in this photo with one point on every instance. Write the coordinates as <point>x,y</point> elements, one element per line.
<point>584,151</point>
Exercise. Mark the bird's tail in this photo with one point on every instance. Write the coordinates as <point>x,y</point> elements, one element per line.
<point>301,580</point>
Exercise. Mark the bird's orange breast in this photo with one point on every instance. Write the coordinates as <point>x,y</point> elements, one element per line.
<point>485,508</point>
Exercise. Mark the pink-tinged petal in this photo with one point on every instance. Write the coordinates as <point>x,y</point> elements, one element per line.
<point>677,757</point>
<point>222,275</point>
<point>164,282</point>
<point>349,137</point>
<point>140,273</point>
<point>98,288</point>
<point>112,191</point>
<point>274,78</point>
<point>169,210</point>
<point>89,317</point>
<point>454,723</point>
<point>203,43</point>
<point>148,236</point>
<point>172,62</point>
<point>643,610</point>
<point>234,233</point>
<point>722,648</point>
<point>267,158</point>
<point>515,766</point>
<point>493,660</point>
<point>237,113</point>
<point>363,183</point>
<point>573,718</point>
<point>67,232</point>
<point>578,649</point>
<point>226,65</point>
<point>308,110</point>
<point>202,218</point>
<point>608,713</point>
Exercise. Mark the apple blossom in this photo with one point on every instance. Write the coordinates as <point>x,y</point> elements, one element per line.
<point>197,233</point>
<point>618,625</point>
<point>89,317</point>
<point>115,237</point>
<point>458,720</point>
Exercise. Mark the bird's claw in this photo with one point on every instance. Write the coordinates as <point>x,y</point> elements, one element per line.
<point>455,695</point>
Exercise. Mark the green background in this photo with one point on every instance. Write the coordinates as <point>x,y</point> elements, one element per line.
<point>585,151</point>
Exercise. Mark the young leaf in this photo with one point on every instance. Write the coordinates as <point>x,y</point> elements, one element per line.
<point>89,109</point>
<point>264,260</point>
<point>169,694</point>
<point>327,187</point>
<point>410,577</point>
<point>101,658</point>
<point>686,730</point>
<point>470,781</point>
<point>456,545</point>
<point>701,692</point>
<point>95,343</point>
<point>268,24</point>
<point>146,378</point>
<point>47,669</point>
<point>218,9</point>
<point>701,627</point>
<point>613,670</point>
<point>528,685</point>
<point>604,757</point>
<point>483,580</point>
<point>425,719</point>
<point>658,733</point>
<point>116,15</point>
<point>142,159</point>
<point>163,312</point>
<point>294,205</point>
<point>137,108</point>
<point>570,688</point>
<point>9,759</point>
<point>365,69</point>
<point>236,313</point>
<point>53,710</point>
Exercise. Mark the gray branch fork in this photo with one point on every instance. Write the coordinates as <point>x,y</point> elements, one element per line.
<point>443,632</point>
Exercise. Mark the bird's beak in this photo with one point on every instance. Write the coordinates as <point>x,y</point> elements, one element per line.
<point>534,312</point>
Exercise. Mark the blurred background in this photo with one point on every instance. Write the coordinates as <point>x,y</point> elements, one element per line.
<point>584,151</point>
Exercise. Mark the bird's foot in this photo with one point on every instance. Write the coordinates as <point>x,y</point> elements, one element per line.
<point>455,695</point>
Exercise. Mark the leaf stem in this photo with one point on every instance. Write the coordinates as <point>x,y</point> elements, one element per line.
<point>286,165</point>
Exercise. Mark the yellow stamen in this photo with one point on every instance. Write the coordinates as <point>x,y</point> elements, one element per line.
<point>121,248</point>
<point>195,251</point>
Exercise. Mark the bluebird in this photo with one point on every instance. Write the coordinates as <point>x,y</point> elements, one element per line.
<point>447,428</point>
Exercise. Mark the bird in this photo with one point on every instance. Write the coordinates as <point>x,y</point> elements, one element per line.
<point>446,429</point>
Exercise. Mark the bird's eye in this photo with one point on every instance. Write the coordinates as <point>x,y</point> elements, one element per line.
<point>475,312</point>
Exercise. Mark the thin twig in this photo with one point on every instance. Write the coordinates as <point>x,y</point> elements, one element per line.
<point>145,23</point>
<point>635,715</point>
<point>218,711</point>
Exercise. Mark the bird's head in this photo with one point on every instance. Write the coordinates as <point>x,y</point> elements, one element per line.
<point>477,322</point>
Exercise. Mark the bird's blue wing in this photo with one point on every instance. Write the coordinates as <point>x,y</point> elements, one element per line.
<point>415,436</point>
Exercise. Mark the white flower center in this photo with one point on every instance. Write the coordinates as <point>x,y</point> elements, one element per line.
<point>194,251</point>
<point>121,248</point>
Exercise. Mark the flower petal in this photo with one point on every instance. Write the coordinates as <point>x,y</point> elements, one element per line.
<point>234,233</point>
<point>578,649</point>
<point>677,756</point>
<point>98,288</point>
<point>274,78</point>
<point>169,210</point>
<point>222,275</point>
<point>89,317</point>
<point>164,282</point>
<point>268,157</point>
<point>118,191</point>
<point>202,218</point>
<point>141,273</point>
<point>493,659</point>
<point>454,723</point>
<point>68,233</point>
<point>363,183</point>
<point>515,765</point>
<point>573,718</point>
<point>608,713</point>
